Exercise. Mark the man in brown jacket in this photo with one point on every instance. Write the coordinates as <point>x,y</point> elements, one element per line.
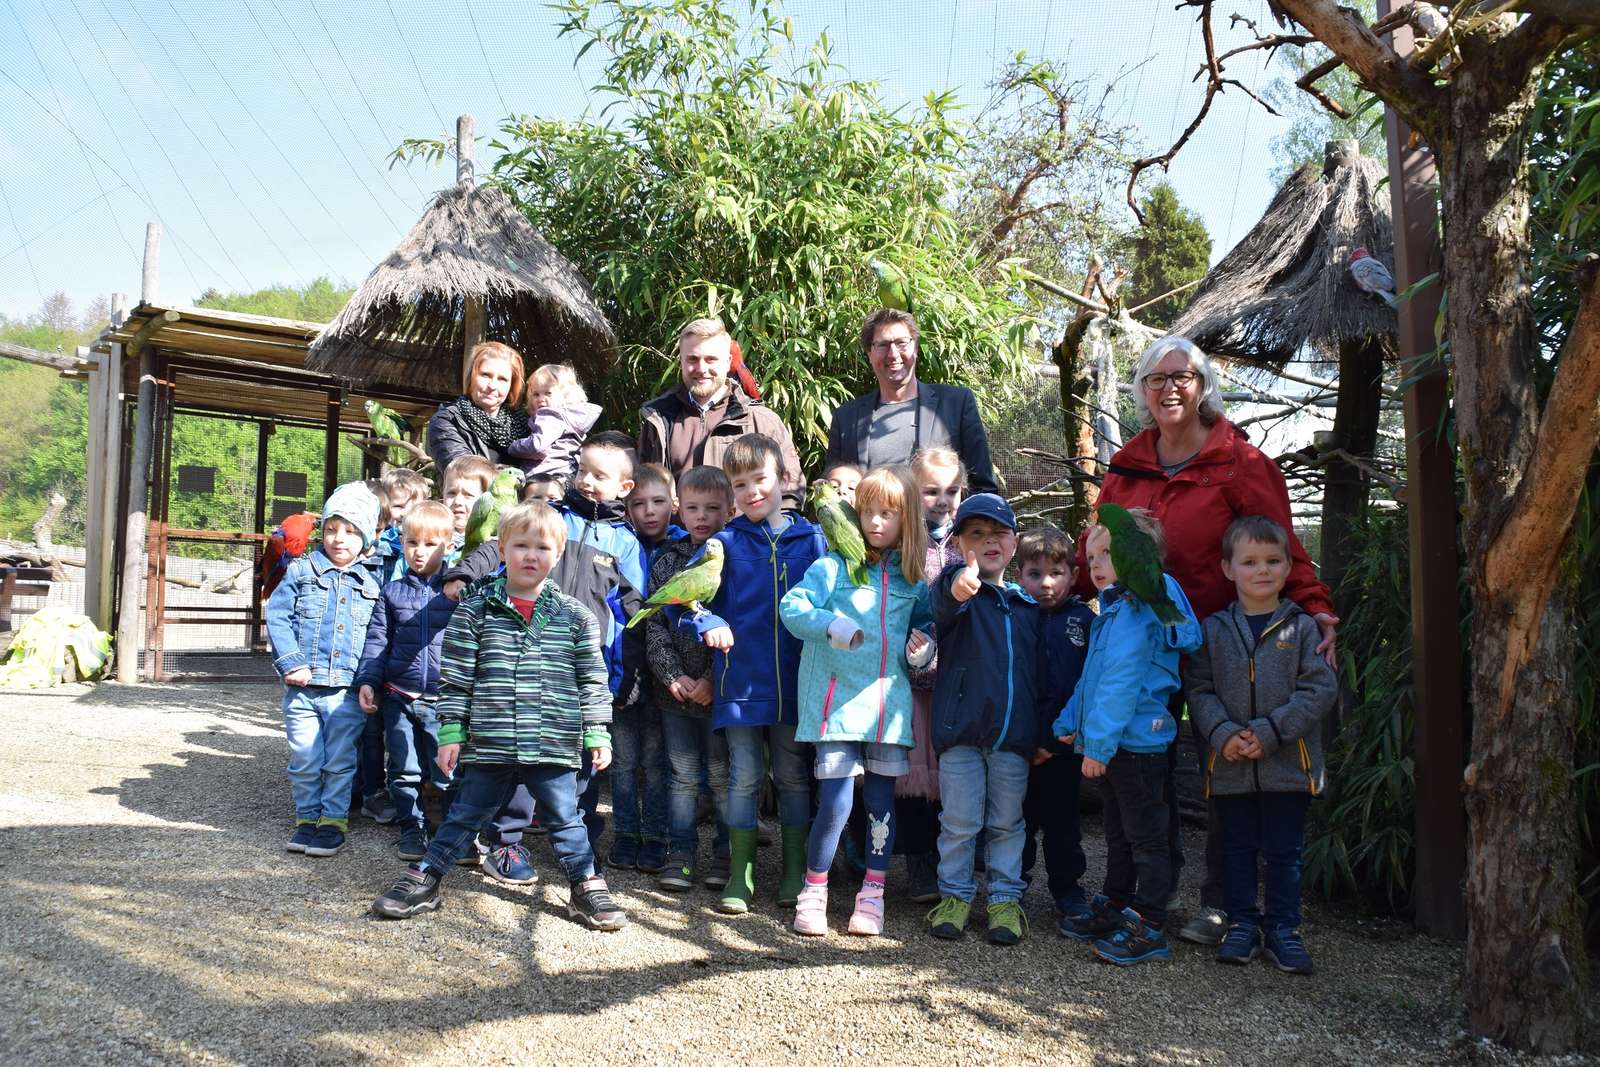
<point>695,421</point>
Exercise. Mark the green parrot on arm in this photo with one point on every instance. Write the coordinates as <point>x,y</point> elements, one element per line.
<point>842,527</point>
<point>1138,563</point>
<point>692,586</point>
<point>484,521</point>
<point>892,289</point>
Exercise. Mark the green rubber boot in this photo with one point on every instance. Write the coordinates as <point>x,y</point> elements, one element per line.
<point>741,887</point>
<point>794,864</point>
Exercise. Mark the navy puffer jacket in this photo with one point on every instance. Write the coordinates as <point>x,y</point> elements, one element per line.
<point>406,636</point>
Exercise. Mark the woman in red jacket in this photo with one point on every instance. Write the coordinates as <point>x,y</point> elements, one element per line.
<point>1196,473</point>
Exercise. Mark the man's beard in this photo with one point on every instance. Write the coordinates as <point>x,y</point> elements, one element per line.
<point>705,391</point>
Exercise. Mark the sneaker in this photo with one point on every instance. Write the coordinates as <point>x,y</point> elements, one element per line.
<point>652,855</point>
<point>413,843</point>
<point>624,854</point>
<point>1205,927</point>
<point>867,919</point>
<point>1240,945</point>
<point>416,890</point>
<point>474,854</point>
<point>719,872</point>
<point>677,873</point>
<point>811,911</point>
<point>1288,953</point>
<point>379,808</point>
<point>591,904</point>
<point>949,919</point>
<point>304,834</point>
<point>327,841</point>
<point>1133,942</point>
<point>535,827</point>
<point>510,864</point>
<point>922,872</point>
<point>1007,923</point>
<point>1072,906</point>
<point>1101,919</point>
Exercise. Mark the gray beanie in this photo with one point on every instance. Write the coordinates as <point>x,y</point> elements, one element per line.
<point>356,504</point>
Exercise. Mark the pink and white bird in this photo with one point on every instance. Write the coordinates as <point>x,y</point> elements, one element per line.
<point>1372,276</point>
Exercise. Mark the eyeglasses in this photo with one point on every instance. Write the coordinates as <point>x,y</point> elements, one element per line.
<point>1182,379</point>
<point>899,344</point>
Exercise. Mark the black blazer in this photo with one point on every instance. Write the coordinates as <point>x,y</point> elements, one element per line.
<point>947,417</point>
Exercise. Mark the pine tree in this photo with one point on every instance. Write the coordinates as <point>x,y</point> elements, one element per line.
<point>1171,248</point>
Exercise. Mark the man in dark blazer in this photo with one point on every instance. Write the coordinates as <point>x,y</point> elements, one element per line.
<point>889,424</point>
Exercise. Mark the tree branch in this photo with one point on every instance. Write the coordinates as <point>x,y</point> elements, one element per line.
<point>1575,13</point>
<point>1343,32</point>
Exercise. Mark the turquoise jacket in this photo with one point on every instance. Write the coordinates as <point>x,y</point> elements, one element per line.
<point>862,694</point>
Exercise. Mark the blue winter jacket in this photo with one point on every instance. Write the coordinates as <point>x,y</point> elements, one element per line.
<point>1064,646</point>
<point>317,618</point>
<point>406,636</point>
<point>986,692</point>
<point>754,683</point>
<point>1132,671</point>
<point>388,556</point>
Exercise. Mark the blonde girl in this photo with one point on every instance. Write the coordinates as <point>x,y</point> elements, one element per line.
<point>560,417</point>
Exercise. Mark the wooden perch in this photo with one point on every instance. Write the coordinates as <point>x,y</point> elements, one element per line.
<point>378,448</point>
<point>53,360</point>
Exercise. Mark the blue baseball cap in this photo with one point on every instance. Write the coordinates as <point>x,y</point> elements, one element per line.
<point>986,506</point>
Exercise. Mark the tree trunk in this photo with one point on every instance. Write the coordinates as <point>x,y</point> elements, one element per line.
<point>1077,418</point>
<point>1525,957</point>
<point>1355,430</point>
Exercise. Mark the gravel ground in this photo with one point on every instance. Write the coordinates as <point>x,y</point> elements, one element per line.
<point>149,914</point>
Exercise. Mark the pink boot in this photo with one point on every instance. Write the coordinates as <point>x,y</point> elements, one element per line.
<point>867,920</point>
<point>811,911</point>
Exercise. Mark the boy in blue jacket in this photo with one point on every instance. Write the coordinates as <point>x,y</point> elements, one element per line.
<point>986,724</point>
<point>399,671</point>
<point>755,668</point>
<point>1118,719</point>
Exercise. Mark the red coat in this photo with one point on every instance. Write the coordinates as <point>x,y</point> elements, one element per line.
<point>1229,478</point>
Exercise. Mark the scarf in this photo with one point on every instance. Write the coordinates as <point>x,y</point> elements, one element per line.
<point>497,430</point>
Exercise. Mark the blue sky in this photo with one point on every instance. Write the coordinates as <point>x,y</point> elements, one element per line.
<point>256,131</point>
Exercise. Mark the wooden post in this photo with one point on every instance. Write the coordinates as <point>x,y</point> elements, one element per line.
<point>474,323</point>
<point>330,446</point>
<point>111,412</point>
<point>133,536</point>
<point>119,309</point>
<point>1440,739</point>
<point>97,483</point>
<point>263,451</point>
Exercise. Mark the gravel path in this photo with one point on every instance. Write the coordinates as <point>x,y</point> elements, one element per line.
<point>148,914</point>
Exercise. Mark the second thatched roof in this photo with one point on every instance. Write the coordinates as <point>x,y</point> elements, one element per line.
<point>404,325</point>
<point>1286,286</point>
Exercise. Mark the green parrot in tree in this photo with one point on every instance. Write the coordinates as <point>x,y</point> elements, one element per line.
<point>892,289</point>
<point>842,527</point>
<point>484,521</point>
<point>1138,563</point>
<point>692,586</point>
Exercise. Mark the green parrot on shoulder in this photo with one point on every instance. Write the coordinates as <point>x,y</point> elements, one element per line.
<point>484,520</point>
<point>842,527</point>
<point>1138,562</point>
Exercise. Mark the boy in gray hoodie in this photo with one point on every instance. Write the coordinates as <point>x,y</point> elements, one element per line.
<point>1258,691</point>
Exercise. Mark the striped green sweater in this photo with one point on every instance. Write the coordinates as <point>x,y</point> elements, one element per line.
<point>523,692</point>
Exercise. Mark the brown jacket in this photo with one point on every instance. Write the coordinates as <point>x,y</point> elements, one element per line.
<point>673,431</point>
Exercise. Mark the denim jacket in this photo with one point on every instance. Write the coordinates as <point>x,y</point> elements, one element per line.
<point>317,618</point>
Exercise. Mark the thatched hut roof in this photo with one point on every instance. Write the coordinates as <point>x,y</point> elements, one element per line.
<point>1286,286</point>
<point>405,324</point>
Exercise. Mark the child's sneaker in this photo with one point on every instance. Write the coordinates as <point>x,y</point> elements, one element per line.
<point>1288,953</point>
<point>1240,945</point>
<point>535,827</point>
<point>413,843</point>
<point>922,874</point>
<point>948,920</point>
<point>415,891</point>
<point>474,854</point>
<point>811,910</point>
<point>677,874</point>
<point>1133,942</point>
<point>591,904</point>
<point>1006,922</point>
<point>1072,906</point>
<point>652,855</point>
<point>719,872</point>
<point>867,919</point>
<point>327,841</point>
<point>624,854</point>
<point>1100,919</point>
<point>379,808</point>
<point>304,835</point>
<point>1205,927</point>
<point>510,864</point>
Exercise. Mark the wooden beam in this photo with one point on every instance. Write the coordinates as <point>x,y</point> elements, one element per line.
<point>150,277</point>
<point>53,360</point>
<point>111,410</point>
<point>142,336</point>
<point>136,527</point>
<point>95,485</point>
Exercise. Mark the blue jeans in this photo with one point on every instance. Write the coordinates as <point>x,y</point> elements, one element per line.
<point>517,808</point>
<point>1273,827</point>
<point>981,790</point>
<point>695,752</point>
<point>412,733</point>
<point>1139,871</point>
<point>484,785</point>
<point>637,746</point>
<point>369,761</point>
<point>323,724</point>
<point>747,766</point>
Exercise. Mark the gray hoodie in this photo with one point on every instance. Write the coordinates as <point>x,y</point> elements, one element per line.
<point>1279,687</point>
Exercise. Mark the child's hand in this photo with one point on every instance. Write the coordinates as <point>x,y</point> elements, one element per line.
<point>453,587</point>
<point>702,692</point>
<point>1066,739</point>
<point>447,758</point>
<point>915,643</point>
<point>682,688</point>
<point>1252,745</point>
<point>367,699</point>
<point>1040,755</point>
<point>298,676</point>
<point>1093,768</point>
<point>719,639</point>
<point>968,582</point>
<point>1233,748</point>
<point>599,758</point>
